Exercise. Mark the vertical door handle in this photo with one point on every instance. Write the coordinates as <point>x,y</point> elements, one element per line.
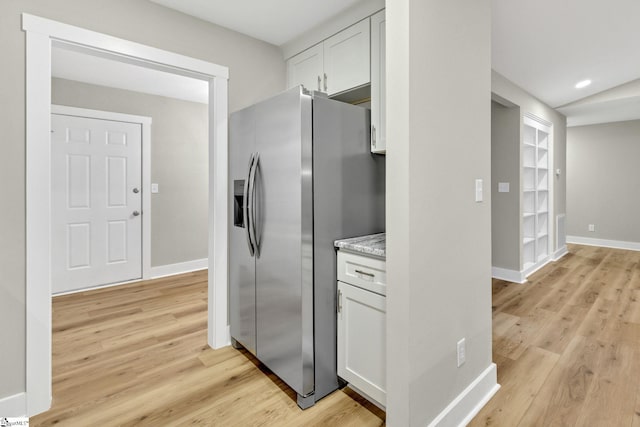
<point>252,206</point>
<point>325,82</point>
<point>339,301</point>
<point>319,82</point>
<point>245,206</point>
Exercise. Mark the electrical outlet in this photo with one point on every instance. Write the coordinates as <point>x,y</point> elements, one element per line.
<point>592,227</point>
<point>462,352</point>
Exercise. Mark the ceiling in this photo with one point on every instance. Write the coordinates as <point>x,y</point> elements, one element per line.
<point>547,46</point>
<point>544,46</point>
<point>274,21</point>
<point>73,65</point>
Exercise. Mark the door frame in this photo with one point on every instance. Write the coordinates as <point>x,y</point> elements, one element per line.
<point>145,167</point>
<point>41,33</point>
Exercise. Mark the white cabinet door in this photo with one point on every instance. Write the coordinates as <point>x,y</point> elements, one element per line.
<point>306,69</point>
<point>96,202</point>
<point>347,59</point>
<point>362,340</point>
<point>378,84</point>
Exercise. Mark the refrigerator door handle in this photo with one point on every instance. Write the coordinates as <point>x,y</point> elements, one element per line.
<point>245,206</point>
<point>252,208</point>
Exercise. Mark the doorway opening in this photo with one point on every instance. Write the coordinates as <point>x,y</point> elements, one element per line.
<point>41,35</point>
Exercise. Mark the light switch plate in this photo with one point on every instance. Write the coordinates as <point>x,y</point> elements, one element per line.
<point>154,188</point>
<point>503,187</point>
<point>479,195</point>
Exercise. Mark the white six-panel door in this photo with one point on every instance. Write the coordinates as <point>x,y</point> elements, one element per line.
<point>96,202</point>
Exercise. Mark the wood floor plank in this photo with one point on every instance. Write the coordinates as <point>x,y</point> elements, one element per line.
<point>137,355</point>
<point>519,385</point>
<point>611,400</point>
<point>563,395</point>
<point>567,343</point>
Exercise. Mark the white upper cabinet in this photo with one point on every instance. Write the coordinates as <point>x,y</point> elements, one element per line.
<point>347,58</point>
<point>339,63</point>
<point>306,68</point>
<point>378,84</point>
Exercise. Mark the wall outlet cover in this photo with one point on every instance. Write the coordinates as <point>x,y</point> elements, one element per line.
<point>503,187</point>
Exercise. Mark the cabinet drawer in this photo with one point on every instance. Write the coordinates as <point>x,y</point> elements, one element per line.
<point>362,271</point>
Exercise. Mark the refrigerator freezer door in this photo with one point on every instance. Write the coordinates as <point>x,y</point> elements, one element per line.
<point>242,285</point>
<point>284,234</point>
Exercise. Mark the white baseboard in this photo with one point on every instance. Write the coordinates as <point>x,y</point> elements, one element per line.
<point>179,268</point>
<point>468,403</point>
<point>508,275</point>
<point>559,253</point>
<point>616,244</point>
<point>535,267</point>
<point>14,406</point>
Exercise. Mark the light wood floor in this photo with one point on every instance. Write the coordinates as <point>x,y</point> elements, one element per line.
<point>137,355</point>
<point>567,344</point>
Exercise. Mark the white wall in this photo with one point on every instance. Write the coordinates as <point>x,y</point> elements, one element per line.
<point>438,237</point>
<point>603,179</point>
<point>505,167</point>
<point>179,163</point>
<point>256,71</point>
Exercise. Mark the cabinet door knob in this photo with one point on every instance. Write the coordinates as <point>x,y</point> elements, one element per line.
<point>136,213</point>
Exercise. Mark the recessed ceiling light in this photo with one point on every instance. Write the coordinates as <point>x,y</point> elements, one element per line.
<point>583,83</point>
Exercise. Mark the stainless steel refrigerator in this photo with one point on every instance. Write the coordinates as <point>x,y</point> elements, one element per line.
<point>301,175</point>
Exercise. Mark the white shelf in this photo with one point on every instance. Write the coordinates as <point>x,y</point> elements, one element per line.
<point>536,174</point>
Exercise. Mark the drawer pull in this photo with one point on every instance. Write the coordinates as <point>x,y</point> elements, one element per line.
<point>365,273</point>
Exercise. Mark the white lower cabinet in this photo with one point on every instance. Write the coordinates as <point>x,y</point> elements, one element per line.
<point>362,338</point>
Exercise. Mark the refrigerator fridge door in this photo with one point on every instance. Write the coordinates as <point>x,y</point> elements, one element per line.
<point>242,285</point>
<point>284,234</point>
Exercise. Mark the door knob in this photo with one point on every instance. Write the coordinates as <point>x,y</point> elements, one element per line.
<point>135,190</point>
<point>136,213</point>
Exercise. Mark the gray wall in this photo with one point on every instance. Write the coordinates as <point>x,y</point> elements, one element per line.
<point>505,167</point>
<point>508,91</point>
<point>257,70</point>
<point>179,163</point>
<point>438,237</point>
<point>603,178</point>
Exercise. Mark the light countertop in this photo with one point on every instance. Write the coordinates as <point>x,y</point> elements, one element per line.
<point>373,244</point>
